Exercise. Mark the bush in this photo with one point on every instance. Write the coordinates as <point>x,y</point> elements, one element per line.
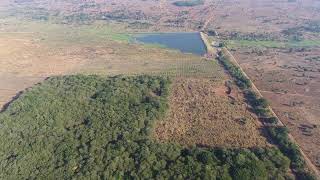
<point>272,120</point>
<point>291,150</point>
<point>242,81</point>
<point>261,102</point>
<point>263,112</point>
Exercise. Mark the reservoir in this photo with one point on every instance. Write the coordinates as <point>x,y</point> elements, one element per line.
<point>185,42</point>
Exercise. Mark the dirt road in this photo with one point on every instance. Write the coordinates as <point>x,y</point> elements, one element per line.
<point>309,163</point>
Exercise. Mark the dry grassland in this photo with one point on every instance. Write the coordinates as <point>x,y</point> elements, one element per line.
<point>290,81</point>
<point>32,51</point>
<point>201,113</point>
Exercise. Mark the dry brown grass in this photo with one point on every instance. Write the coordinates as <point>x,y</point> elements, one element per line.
<point>27,57</point>
<point>291,83</point>
<point>201,113</point>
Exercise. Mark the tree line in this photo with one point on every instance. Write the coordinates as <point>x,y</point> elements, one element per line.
<point>260,106</point>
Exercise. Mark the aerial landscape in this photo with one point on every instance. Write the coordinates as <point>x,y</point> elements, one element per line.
<point>160,89</point>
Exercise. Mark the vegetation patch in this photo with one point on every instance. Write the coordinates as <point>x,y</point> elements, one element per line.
<point>235,71</point>
<point>188,3</point>
<point>202,113</point>
<point>291,150</point>
<point>273,44</point>
<point>93,127</point>
<point>278,133</point>
<point>312,26</point>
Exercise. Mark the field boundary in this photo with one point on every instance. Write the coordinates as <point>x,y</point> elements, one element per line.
<point>309,163</point>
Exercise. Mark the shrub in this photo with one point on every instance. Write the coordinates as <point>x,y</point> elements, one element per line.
<point>272,120</point>
<point>242,81</point>
<point>291,150</point>
<point>261,102</point>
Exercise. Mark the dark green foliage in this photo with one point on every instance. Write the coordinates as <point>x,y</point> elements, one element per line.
<point>291,150</point>
<point>272,120</point>
<point>304,175</point>
<point>189,3</point>
<point>79,18</point>
<point>88,127</point>
<point>252,36</point>
<point>223,44</point>
<point>259,105</point>
<point>280,134</point>
<point>255,101</point>
<point>241,80</point>
<point>313,26</point>
<point>261,102</point>
<point>243,170</point>
<point>296,33</point>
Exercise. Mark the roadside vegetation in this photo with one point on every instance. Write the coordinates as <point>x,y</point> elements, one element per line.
<point>242,81</point>
<point>94,127</point>
<point>260,106</point>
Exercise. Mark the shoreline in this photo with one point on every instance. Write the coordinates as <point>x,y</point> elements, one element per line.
<point>210,50</point>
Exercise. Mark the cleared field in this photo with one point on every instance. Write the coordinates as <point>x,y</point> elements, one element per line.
<point>202,113</point>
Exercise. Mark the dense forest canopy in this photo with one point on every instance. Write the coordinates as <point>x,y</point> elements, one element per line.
<point>94,127</point>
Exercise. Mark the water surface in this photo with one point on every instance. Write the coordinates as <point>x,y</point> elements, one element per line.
<point>185,42</point>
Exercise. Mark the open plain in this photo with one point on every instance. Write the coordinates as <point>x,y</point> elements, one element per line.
<point>276,42</point>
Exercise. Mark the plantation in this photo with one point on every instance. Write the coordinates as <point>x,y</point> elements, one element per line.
<point>93,127</point>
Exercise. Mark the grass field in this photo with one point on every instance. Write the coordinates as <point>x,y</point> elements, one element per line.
<point>52,33</point>
<point>34,50</point>
<point>273,44</point>
<point>202,113</point>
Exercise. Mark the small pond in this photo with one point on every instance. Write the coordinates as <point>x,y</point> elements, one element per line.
<point>185,42</point>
